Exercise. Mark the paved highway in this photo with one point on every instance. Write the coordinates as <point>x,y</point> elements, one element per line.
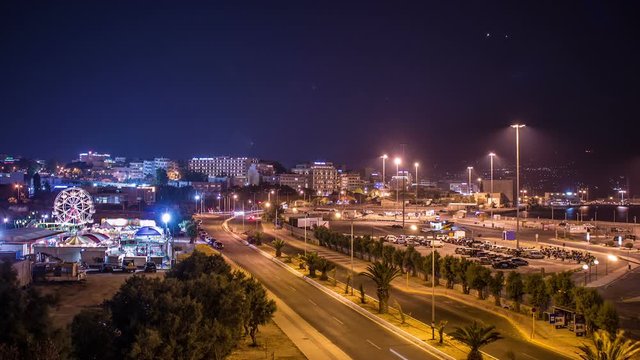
<point>455,312</point>
<point>357,336</point>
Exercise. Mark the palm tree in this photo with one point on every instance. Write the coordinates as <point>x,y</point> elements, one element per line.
<point>278,244</point>
<point>476,335</point>
<point>324,266</point>
<point>311,259</point>
<point>382,274</point>
<point>609,347</point>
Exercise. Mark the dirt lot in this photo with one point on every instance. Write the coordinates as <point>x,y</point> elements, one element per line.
<point>73,297</point>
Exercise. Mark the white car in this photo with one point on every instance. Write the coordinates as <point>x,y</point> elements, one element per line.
<point>391,238</point>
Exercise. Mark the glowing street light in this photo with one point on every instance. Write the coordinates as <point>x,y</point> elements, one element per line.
<point>517,127</point>
<point>491,156</point>
<point>469,168</point>
<point>585,267</point>
<point>196,198</point>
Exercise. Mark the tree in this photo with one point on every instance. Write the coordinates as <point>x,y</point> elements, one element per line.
<point>93,335</point>
<point>535,286</point>
<point>448,270</point>
<point>191,230</point>
<point>412,260</point>
<point>324,266</point>
<point>441,326</point>
<point>161,177</point>
<point>199,264</point>
<point>278,244</point>
<point>311,259</point>
<point>515,289</point>
<point>25,324</point>
<point>560,286</point>
<point>382,274</point>
<point>610,347</point>
<point>476,336</point>
<point>388,252</point>
<point>427,266</point>
<point>479,278</point>
<point>460,269</point>
<point>608,318</point>
<point>496,285</point>
<point>260,309</point>
<point>588,303</point>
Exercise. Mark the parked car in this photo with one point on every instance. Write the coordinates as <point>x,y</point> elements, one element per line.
<point>484,261</point>
<point>534,255</point>
<point>519,262</point>
<point>503,265</point>
<point>128,266</point>
<point>218,245</point>
<point>390,238</point>
<point>150,267</point>
<point>396,226</point>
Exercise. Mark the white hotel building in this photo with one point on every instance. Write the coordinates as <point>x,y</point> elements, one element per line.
<point>223,166</point>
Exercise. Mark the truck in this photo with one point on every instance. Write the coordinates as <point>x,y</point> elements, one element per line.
<point>58,272</point>
<point>508,235</point>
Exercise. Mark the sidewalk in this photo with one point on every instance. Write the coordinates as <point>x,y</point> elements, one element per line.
<point>545,335</point>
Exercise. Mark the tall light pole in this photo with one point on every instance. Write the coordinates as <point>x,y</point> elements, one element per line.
<point>384,177</point>
<point>196,198</point>
<point>416,166</point>
<point>622,192</point>
<point>491,156</point>
<point>469,168</point>
<point>517,127</point>
<point>397,161</point>
<point>235,197</point>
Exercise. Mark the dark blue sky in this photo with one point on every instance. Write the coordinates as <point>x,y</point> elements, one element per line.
<point>319,80</point>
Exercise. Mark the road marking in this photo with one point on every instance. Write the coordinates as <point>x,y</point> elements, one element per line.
<point>374,345</point>
<point>397,354</point>
<point>338,320</point>
<point>311,301</point>
<point>527,355</point>
<point>292,288</point>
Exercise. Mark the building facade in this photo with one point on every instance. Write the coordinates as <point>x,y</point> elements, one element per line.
<point>223,166</point>
<point>351,182</point>
<point>294,181</point>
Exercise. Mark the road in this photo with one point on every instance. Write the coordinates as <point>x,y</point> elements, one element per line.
<point>357,336</point>
<point>454,312</point>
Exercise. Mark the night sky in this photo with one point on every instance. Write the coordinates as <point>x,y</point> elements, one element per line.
<point>305,80</point>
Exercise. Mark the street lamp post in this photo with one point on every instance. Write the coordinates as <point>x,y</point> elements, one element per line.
<point>416,166</point>
<point>517,127</point>
<point>5,221</point>
<point>469,168</point>
<point>585,267</point>
<point>196,198</point>
<point>384,178</point>
<point>595,263</point>
<point>397,161</point>
<point>235,197</point>
<point>491,156</point>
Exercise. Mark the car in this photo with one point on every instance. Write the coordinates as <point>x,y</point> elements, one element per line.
<point>442,237</point>
<point>503,265</point>
<point>128,266</point>
<point>519,262</point>
<point>484,261</point>
<point>396,226</point>
<point>390,238</point>
<point>218,245</point>
<point>534,255</point>
<point>150,267</point>
<point>630,237</point>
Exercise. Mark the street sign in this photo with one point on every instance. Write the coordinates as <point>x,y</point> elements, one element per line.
<point>533,310</point>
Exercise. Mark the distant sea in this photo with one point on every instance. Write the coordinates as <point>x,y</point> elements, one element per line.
<point>616,213</point>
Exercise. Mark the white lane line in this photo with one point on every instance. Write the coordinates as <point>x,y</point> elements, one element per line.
<point>374,345</point>
<point>397,354</point>
<point>311,301</point>
<point>292,288</point>
<point>529,356</point>
<point>338,320</point>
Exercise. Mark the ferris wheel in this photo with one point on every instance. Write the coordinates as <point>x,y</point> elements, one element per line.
<point>73,206</point>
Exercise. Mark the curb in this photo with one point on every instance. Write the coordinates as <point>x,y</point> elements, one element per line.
<point>413,339</point>
<point>523,332</point>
